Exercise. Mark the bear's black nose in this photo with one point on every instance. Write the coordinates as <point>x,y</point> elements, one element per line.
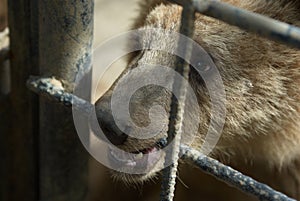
<point>107,122</point>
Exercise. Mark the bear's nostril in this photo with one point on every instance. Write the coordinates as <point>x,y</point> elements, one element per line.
<point>107,123</point>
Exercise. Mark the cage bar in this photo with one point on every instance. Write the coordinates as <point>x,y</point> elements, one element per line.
<point>177,106</point>
<point>231,176</point>
<point>52,89</point>
<point>65,47</point>
<point>249,21</point>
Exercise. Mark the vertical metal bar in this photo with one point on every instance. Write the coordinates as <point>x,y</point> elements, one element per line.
<point>65,45</point>
<point>177,107</point>
<point>22,136</point>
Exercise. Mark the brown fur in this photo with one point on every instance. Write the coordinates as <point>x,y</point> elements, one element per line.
<point>261,136</point>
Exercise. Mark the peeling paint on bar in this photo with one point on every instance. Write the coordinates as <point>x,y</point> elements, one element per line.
<point>231,176</point>
<point>249,21</point>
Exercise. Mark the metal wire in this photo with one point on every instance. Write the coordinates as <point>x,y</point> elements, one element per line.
<point>177,107</point>
<point>52,88</point>
<point>231,176</point>
<point>249,21</point>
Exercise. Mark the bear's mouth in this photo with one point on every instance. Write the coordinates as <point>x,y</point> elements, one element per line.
<point>141,160</point>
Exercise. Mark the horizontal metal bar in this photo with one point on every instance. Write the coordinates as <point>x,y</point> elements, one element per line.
<point>231,176</point>
<point>249,21</point>
<point>52,88</point>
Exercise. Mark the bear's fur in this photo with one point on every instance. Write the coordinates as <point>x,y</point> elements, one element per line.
<point>261,136</point>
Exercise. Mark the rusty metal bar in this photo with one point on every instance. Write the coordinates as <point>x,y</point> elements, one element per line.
<point>249,21</point>
<point>52,89</point>
<point>231,176</point>
<point>177,106</point>
<point>65,47</point>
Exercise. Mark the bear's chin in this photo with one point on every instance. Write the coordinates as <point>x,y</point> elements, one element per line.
<point>130,179</point>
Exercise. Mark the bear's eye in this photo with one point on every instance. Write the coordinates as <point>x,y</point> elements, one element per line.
<point>204,67</point>
<point>203,62</point>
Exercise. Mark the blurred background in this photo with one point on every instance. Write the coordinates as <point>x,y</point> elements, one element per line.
<point>3,13</point>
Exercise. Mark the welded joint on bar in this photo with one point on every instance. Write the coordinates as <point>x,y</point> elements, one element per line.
<point>53,89</point>
<point>231,176</point>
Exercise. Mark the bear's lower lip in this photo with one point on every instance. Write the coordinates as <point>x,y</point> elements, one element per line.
<point>144,159</point>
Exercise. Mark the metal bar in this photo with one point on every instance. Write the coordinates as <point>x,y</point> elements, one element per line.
<point>231,176</point>
<point>65,47</point>
<point>22,171</point>
<point>249,21</point>
<point>177,107</point>
<point>52,89</point>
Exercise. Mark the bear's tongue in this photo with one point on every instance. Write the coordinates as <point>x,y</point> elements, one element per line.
<point>141,159</point>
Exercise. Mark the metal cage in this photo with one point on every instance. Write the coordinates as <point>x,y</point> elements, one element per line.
<point>26,61</point>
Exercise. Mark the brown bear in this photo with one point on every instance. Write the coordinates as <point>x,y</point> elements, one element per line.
<point>261,134</point>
